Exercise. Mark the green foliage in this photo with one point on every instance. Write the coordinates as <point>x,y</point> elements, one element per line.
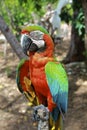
<point>67,13</point>
<point>78,18</point>
<point>73,13</point>
<point>19,12</point>
<point>80,22</point>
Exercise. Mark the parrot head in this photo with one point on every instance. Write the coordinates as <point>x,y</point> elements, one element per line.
<point>32,39</point>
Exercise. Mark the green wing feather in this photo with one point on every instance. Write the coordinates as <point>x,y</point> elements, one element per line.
<point>58,84</point>
<point>21,63</point>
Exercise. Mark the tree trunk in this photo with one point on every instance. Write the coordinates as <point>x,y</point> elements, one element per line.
<point>11,38</point>
<point>84,4</point>
<point>77,44</point>
<point>77,48</point>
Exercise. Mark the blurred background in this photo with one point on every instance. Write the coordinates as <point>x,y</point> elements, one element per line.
<point>66,22</point>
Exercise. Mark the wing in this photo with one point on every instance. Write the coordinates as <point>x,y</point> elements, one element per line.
<point>22,71</point>
<point>24,83</point>
<point>58,84</point>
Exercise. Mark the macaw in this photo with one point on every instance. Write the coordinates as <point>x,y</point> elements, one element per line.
<point>41,78</point>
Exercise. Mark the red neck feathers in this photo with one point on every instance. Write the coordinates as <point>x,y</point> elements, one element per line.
<point>40,59</point>
<point>49,47</point>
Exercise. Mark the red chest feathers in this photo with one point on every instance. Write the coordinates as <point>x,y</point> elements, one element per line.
<point>38,79</point>
<point>37,74</point>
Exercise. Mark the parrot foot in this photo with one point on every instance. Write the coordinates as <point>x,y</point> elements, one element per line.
<point>41,115</point>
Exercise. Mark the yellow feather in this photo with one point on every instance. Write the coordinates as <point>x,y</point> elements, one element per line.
<point>58,125</point>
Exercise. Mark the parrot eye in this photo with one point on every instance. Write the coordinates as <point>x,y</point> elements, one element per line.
<point>37,35</point>
<point>30,43</point>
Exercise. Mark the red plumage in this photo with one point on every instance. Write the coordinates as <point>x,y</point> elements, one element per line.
<point>37,73</point>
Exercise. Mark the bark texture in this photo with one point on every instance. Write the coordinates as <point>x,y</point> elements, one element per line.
<point>84,5</point>
<point>12,40</point>
<point>77,44</point>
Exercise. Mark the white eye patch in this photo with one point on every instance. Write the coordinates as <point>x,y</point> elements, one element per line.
<point>37,38</point>
<point>39,43</point>
<point>36,35</point>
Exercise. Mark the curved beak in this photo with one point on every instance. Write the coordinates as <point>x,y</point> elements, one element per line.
<point>27,44</point>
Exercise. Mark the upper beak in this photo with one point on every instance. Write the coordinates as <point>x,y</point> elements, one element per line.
<point>27,44</point>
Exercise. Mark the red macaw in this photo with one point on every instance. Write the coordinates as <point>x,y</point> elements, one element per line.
<point>42,77</point>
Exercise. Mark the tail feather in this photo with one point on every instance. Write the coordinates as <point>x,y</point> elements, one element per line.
<point>58,125</point>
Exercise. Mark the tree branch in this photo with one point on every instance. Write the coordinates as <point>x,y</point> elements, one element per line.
<point>12,40</point>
